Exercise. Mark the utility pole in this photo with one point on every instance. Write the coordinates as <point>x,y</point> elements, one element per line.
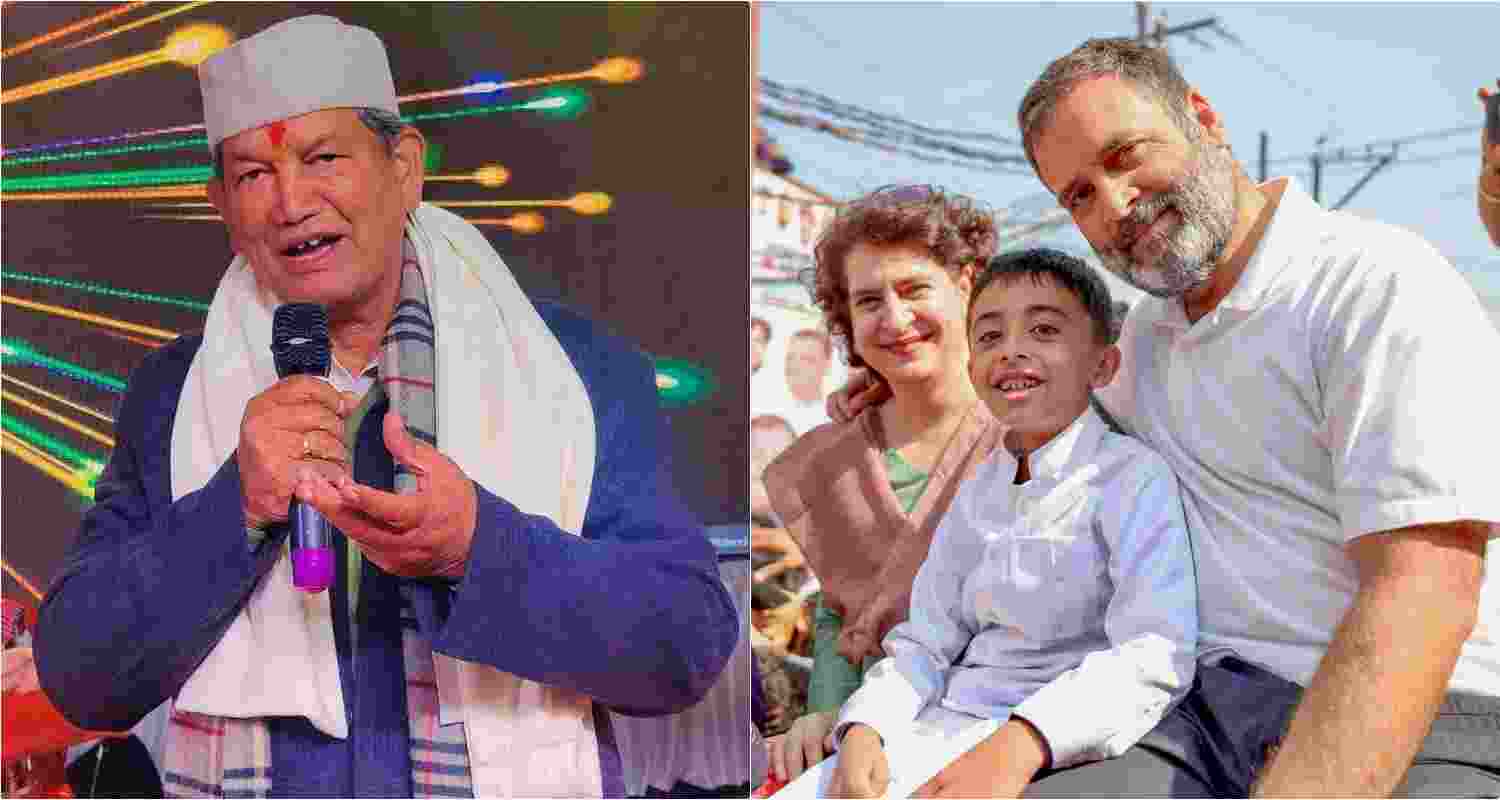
<point>1265,151</point>
<point>1155,32</point>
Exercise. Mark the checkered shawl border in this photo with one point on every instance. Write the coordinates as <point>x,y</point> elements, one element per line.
<point>225,757</point>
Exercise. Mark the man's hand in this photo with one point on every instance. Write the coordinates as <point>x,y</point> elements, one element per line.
<point>423,534</point>
<point>804,744</point>
<point>999,766</point>
<point>1364,714</point>
<point>863,770</point>
<point>858,393</point>
<point>296,424</point>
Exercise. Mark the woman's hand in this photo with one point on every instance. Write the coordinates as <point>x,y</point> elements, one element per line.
<point>859,392</point>
<point>804,744</point>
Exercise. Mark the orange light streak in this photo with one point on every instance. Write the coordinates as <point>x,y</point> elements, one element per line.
<point>96,319</point>
<point>51,36</point>
<point>56,398</point>
<point>611,70</point>
<point>189,46</point>
<point>38,452</point>
<point>138,23</point>
<point>66,477</point>
<point>527,222</point>
<point>156,193</point>
<point>67,422</point>
<point>25,584</point>
<point>71,79</point>
<point>185,217</point>
<point>132,339</point>
<point>588,203</point>
<point>491,176</point>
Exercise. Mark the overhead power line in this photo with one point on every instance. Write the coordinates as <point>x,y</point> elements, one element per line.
<point>808,98</point>
<point>958,157</point>
<point>806,108</point>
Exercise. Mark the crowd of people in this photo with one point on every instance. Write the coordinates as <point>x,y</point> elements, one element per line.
<point>1233,546</point>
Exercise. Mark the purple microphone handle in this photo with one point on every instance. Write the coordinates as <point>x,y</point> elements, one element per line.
<point>312,549</point>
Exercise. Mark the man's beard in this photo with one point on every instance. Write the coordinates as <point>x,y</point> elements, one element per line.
<point>1204,199</point>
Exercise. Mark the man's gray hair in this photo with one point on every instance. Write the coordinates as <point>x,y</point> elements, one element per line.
<point>1147,68</point>
<point>382,123</point>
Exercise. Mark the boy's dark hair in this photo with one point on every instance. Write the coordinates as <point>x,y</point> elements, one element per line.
<point>1070,272</point>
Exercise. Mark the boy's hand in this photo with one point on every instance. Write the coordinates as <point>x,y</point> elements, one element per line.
<point>999,766</point>
<point>862,770</point>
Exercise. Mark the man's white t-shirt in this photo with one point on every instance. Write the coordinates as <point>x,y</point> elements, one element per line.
<point>1348,384</point>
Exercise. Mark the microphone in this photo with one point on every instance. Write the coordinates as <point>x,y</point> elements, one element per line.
<point>299,341</point>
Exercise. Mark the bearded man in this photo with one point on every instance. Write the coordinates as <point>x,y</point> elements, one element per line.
<point>1313,378</point>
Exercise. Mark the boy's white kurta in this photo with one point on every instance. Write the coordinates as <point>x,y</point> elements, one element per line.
<point>1069,601</point>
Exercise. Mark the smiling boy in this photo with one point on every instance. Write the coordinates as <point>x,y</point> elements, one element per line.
<point>1061,579</point>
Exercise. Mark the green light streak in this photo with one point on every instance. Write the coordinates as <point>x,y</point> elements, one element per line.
<point>101,152</point>
<point>554,103</point>
<point>112,179</point>
<point>108,291</point>
<point>82,463</point>
<point>566,103</point>
<point>683,383</point>
<point>17,350</point>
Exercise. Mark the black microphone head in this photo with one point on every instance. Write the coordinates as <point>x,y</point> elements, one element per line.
<point>299,340</point>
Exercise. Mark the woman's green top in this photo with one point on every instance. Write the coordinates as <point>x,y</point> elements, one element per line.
<point>834,679</point>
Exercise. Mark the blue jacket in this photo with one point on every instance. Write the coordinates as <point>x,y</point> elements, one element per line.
<point>631,614</point>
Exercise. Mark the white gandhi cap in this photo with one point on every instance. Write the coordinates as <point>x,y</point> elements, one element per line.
<point>294,67</point>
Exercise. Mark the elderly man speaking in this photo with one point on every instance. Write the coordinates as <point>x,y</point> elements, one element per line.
<point>512,558</point>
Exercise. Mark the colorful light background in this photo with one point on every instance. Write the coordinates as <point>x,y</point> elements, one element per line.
<point>641,164</point>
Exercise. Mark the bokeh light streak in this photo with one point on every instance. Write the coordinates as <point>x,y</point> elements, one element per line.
<point>157,193</point>
<point>67,422</point>
<point>586,203</point>
<point>84,316</point>
<point>619,69</point>
<point>56,398</point>
<point>491,176</point>
<point>139,23</point>
<point>72,480</point>
<point>550,102</point>
<point>71,79</point>
<point>114,137</point>
<point>102,152</point>
<point>21,351</point>
<point>39,453</point>
<point>157,176</point>
<point>184,217</point>
<point>52,36</point>
<point>525,222</point>
<point>25,584</point>
<point>99,288</point>
<point>563,102</point>
<point>682,383</point>
<point>83,463</point>
<point>125,337</point>
<point>187,46</point>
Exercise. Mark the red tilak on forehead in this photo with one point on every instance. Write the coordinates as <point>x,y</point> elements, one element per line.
<point>276,131</point>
